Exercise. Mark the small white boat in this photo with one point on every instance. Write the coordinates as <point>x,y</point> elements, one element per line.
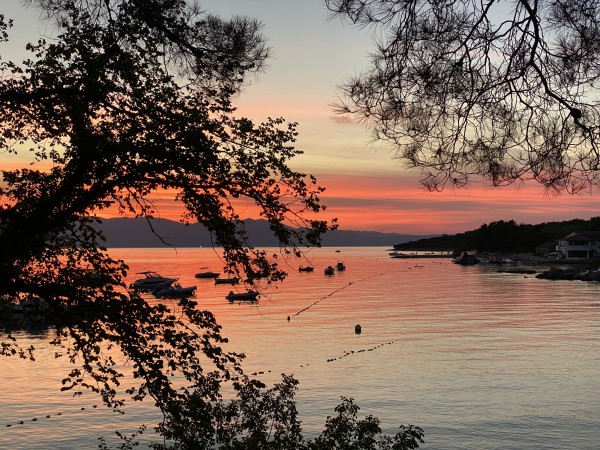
<point>151,281</point>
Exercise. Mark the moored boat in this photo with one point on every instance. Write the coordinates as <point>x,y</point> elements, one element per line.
<point>176,290</point>
<point>151,281</point>
<point>305,269</point>
<point>340,267</point>
<point>466,259</point>
<point>234,280</point>
<point>207,274</point>
<point>249,296</point>
<point>329,270</point>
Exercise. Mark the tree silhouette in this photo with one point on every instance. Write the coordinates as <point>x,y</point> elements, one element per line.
<point>132,97</point>
<point>469,88</point>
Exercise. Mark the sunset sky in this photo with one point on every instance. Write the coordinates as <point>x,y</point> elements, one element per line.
<point>366,188</point>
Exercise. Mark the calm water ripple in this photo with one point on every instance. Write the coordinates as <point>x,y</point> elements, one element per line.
<point>479,359</point>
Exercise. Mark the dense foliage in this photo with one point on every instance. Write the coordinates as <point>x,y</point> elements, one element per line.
<point>469,88</point>
<point>128,99</point>
<point>504,236</point>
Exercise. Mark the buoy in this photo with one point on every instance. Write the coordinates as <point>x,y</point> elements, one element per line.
<point>357,329</point>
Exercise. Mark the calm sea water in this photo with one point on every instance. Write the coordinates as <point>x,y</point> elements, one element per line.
<point>479,359</point>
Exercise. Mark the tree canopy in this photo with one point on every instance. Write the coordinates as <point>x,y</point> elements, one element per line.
<point>134,97</point>
<point>507,90</point>
<point>504,236</point>
<point>127,99</point>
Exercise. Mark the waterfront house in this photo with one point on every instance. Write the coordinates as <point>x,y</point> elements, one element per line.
<point>580,245</point>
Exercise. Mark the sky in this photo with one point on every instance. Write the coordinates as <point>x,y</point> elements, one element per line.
<point>366,188</point>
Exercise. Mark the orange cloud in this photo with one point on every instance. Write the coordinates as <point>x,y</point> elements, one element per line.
<point>397,203</point>
<point>365,197</point>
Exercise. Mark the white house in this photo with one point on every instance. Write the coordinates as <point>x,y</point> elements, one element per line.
<point>580,245</point>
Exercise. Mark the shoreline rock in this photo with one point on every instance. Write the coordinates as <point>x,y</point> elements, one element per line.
<point>570,274</point>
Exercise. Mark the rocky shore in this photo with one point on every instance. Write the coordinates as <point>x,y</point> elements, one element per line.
<point>570,274</point>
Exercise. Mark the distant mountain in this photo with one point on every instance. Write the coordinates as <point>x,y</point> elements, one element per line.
<point>135,232</point>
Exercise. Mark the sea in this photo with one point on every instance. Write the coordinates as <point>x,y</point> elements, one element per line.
<point>477,358</point>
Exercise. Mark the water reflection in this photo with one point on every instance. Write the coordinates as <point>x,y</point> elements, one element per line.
<point>479,359</point>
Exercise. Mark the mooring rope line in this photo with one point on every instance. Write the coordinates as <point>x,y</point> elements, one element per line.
<point>353,352</point>
<point>351,283</point>
<point>345,355</point>
<point>257,306</point>
<point>262,372</point>
<point>47,416</point>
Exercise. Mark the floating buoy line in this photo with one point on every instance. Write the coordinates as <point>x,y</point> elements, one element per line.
<point>357,330</point>
<point>47,416</point>
<point>356,352</point>
<point>262,372</point>
<point>351,283</point>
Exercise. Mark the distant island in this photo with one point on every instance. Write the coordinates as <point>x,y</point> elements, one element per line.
<point>503,236</point>
<point>136,232</point>
<point>500,236</point>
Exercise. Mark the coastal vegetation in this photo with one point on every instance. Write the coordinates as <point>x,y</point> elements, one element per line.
<point>503,236</point>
